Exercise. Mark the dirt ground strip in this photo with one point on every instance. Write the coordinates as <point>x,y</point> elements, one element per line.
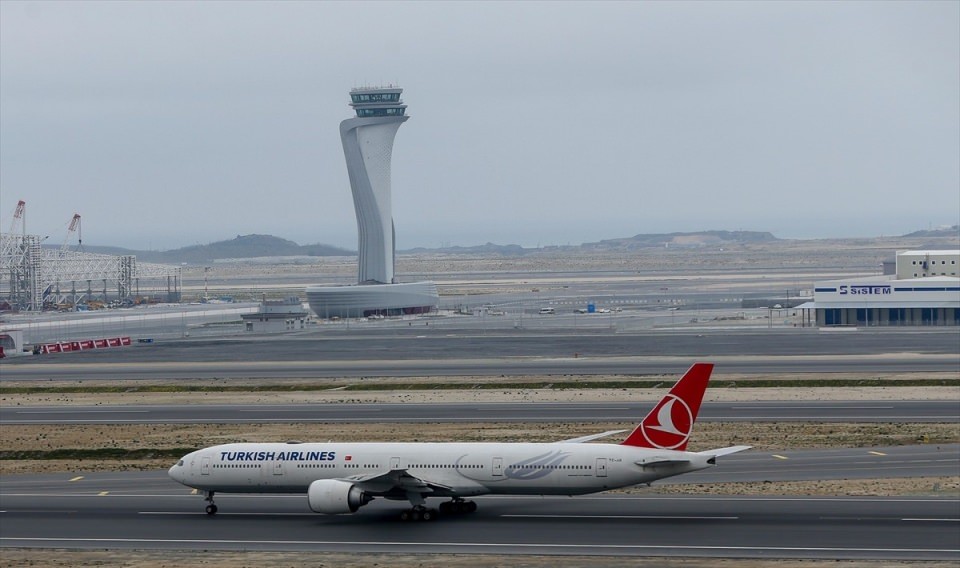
<point>18,558</point>
<point>553,391</point>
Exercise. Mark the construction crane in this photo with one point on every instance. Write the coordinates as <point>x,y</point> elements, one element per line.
<point>18,217</point>
<point>74,227</point>
<point>8,241</point>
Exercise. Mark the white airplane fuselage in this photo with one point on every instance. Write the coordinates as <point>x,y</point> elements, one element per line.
<point>466,468</point>
<point>340,478</point>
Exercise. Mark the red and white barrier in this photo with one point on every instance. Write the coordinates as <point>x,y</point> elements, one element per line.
<point>67,346</point>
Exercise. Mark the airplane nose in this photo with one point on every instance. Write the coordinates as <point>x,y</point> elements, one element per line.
<point>177,472</point>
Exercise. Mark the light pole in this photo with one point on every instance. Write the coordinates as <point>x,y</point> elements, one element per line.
<point>206,292</point>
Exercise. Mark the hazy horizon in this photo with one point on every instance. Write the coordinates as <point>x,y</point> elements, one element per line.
<point>353,248</point>
<point>533,123</point>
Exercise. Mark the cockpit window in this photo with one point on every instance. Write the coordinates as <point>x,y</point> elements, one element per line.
<point>180,463</point>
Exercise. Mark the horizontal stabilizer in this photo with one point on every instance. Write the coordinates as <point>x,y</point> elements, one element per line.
<point>659,461</point>
<point>724,451</point>
<point>590,437</point>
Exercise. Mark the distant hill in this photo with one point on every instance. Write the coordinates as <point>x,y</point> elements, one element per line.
<point>251,246</point>
<point>953,231</point>
<point>686,240</point>
<point>243,246</point>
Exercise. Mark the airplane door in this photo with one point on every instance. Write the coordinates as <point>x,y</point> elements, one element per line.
<point>601,467</point>
<point>278,468</point>
<point>497,467</point>
<point>205,466</point>
<point>394,464</point>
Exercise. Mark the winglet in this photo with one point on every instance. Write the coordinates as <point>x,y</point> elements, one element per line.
<point>669,424</point>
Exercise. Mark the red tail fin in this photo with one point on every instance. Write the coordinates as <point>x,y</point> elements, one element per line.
<point>669,424</point>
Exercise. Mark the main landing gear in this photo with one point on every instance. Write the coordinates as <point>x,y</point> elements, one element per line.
<point>457,507</point>
<point>211,506</point>
<point>418,513</point>
<point>452,507</point>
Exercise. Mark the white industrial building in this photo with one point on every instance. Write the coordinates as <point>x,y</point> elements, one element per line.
<point>927,263</point>
<point>924,291</point>
<point>277,316</point>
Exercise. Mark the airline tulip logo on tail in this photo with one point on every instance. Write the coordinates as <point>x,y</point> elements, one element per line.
<point>669,426</point>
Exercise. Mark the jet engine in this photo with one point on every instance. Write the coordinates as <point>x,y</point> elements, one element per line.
<point>334,497</point>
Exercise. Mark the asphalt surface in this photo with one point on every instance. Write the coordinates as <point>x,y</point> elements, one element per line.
<point>147,510</point>
<point>767,411</point>
<point>428,352</point>
<point>81,369</point>
<point>431,344</point>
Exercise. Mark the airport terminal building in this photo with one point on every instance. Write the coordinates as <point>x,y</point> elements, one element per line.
<point>923,291</point>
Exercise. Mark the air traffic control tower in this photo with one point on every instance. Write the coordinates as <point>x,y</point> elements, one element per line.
<point>368,148</point>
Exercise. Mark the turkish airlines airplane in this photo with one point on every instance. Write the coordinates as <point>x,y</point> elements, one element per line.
<point>342,477</point>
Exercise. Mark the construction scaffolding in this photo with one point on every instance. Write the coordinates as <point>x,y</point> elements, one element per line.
<point>34,278</point>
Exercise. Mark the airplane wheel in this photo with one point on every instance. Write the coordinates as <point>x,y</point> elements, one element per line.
<point>211,509</point>
<point>416,515</point>
<point>470,507</point>
<point>427,515</point>
<point>406,515</point>
<point>445,508</point>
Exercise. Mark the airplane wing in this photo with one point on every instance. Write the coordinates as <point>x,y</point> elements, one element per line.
<point>439,483</point>
<point>590,438</point>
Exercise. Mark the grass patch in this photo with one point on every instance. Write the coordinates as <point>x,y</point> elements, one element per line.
<point>95,454</point>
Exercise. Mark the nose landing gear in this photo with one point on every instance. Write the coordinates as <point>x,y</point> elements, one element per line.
<point>211,506</point>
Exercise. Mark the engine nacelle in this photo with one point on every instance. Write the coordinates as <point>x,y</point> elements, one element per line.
<point>334,497</point>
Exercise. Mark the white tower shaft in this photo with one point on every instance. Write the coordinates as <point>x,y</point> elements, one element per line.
<point>368,148</point>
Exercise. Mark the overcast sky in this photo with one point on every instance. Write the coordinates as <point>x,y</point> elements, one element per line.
<point>167,124</point>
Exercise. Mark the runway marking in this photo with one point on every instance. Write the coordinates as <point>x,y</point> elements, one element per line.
<point>653,517</point>
<point>488,545</point>
<point>77,478</point>
<point>83,411</point>
<point>779,457</point>
<point>876,453</point>
<point>824,407</point>
<point>103,493</point>
<point>312,411</point>
<point>252,513</point>
<point>932,520</point>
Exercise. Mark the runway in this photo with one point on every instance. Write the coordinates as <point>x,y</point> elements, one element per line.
<point>613,411</point>
<point>429,352</point>
<point>79,368</point>
<point>146,510</point>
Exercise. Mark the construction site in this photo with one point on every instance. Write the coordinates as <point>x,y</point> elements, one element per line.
<point>36,276</point>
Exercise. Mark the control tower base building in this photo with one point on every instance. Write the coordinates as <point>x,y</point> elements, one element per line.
<point>368,146</point>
